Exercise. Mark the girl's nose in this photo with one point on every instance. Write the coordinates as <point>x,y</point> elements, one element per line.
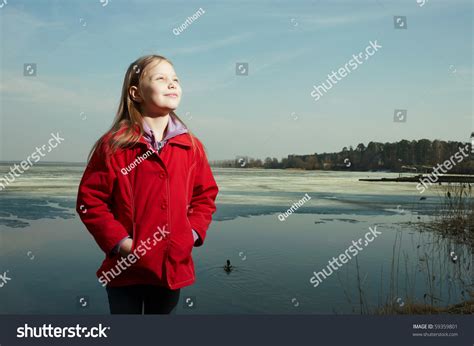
<point>172,83</point>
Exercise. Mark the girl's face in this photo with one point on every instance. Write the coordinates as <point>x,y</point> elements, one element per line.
<point>159,91</point>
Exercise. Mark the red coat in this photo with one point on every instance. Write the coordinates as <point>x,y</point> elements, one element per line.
<point>158,204</point>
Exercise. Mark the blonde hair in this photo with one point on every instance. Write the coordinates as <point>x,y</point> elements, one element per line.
<point>129,116</point>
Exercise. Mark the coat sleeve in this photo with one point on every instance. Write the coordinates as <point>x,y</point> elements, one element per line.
<point>94,201</point>
<point>202,204</point>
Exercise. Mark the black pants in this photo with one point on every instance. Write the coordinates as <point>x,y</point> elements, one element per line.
<point>139,299</point>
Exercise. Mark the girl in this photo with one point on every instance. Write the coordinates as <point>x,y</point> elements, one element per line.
<point>148,194</point>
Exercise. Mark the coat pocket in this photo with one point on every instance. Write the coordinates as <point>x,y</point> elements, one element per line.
<point>149,245</point>
<point>183,241</point>
<point>190,231</point>
<point>149,236</point>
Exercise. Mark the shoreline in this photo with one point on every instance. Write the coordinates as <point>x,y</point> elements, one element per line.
<point>416,179</point>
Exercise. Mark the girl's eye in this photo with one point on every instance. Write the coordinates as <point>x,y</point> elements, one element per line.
<point>160,78</point>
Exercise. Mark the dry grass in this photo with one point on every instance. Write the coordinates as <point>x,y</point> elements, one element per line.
<point>451,228</point>
<point>466,307</point>
<point>455,218</point>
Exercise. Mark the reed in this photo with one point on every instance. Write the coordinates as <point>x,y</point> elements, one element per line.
<point>430,282</point>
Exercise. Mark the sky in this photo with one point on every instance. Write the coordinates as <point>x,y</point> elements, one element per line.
<point>82,49</point>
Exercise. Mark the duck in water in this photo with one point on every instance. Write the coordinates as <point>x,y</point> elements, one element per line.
<point>228,267</point>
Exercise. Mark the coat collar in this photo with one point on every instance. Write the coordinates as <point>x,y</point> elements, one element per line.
<point>176,132</point>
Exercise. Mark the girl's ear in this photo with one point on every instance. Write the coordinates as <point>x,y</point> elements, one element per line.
<point>135,94</point>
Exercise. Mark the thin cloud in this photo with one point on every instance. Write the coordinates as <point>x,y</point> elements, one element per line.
<point>32,90</point>
<point>228,41</point>
<point>220,81</point>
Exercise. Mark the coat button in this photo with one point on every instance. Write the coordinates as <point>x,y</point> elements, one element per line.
<point>162,175</point>
<point>163,206</point>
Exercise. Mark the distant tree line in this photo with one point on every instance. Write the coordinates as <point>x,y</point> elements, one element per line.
<point>417,156</point>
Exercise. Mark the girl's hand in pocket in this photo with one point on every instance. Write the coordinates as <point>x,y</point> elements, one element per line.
<point>126,247</point>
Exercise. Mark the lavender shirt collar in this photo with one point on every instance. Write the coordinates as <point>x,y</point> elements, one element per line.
<point>174,128</point>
